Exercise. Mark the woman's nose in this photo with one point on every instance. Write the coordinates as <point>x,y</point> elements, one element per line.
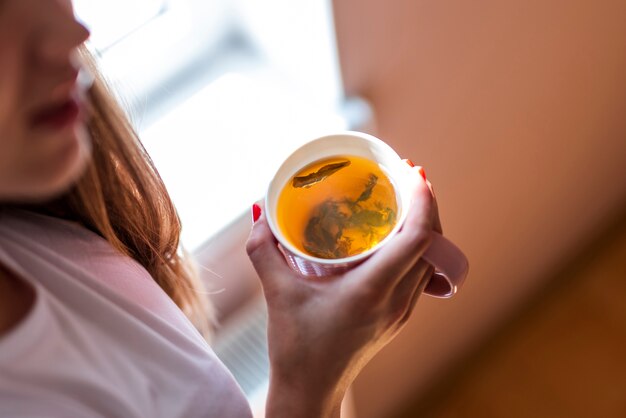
<point>64,33</point>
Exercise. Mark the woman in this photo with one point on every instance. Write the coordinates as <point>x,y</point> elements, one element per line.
<point>96,298</point>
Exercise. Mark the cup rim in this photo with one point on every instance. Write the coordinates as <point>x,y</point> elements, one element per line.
<point>287,245</point>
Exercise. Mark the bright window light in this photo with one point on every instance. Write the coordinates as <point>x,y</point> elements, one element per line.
<point>112,20</point>
<point>218,151</point>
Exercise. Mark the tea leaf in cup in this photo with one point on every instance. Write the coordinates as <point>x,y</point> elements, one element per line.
<point>368,217</point>
<point>320,175</point>
<point>371,182</point>
<point>323,233</point>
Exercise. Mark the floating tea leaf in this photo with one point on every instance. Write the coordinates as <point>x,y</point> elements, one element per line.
<point>320,175</point>
<point>371,182</point>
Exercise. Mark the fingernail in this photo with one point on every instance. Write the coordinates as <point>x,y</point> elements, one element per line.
<point>410,163</point>
<point>256,212</point>
<point>422,173</point>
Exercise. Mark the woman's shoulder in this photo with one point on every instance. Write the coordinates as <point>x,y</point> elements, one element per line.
<point>35,233</point>
<point>16,300</point>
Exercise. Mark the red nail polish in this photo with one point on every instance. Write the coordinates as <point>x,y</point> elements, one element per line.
<point>422,173</point>
<point>256,212</point>
<point>410,163</point>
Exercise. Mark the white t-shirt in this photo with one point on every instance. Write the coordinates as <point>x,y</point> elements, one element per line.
<point>102,339</point>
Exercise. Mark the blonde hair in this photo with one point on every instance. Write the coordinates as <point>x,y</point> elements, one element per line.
<point>122,197</point>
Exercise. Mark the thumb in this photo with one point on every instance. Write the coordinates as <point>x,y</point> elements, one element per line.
<point>266,258</point>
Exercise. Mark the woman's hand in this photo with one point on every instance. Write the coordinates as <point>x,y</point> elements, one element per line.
<point>322,332</point>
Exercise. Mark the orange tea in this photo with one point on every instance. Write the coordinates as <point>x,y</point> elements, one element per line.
<point>337,207</point>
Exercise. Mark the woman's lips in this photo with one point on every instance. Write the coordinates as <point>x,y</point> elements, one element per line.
<point>57,116</point>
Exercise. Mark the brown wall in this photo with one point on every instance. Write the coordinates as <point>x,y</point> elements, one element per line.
<point>517,110</point>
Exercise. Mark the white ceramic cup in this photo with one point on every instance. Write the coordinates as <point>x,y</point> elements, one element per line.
<point>450,262</point>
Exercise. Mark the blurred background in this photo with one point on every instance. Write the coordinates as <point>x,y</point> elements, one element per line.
<point>516,111</point>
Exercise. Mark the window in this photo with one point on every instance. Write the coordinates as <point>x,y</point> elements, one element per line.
<point>115,20</point>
